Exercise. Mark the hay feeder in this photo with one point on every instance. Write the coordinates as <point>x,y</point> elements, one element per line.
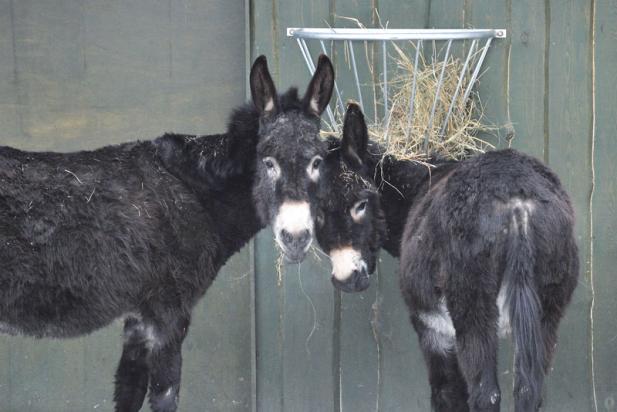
<point>415,86</point>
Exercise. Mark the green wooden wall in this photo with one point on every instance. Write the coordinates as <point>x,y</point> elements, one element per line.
<point>84,73</point>
<point>80,74</point>
<point>550,87</point>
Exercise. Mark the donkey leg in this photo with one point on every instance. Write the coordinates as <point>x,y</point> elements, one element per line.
<point>448,387</point>
<point>132,372</point>
<point>477,355</point>
<point>166,366</point>
<point>471,301</point>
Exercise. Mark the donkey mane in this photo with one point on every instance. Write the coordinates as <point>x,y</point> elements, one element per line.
<point>209,162</point>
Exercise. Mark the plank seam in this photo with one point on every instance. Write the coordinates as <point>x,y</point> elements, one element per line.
<point>510,131</point>
<point>547,48</point>
<point>591,195</point>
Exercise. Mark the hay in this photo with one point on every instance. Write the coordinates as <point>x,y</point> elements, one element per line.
<point>407,140</point>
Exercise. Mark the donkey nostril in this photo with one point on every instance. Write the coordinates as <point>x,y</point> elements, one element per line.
<point>362,280</point>
<point>286,237</point>
<point>304,237</point>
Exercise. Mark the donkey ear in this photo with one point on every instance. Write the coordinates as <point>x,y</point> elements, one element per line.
<point>320,88</point>
<point>263,91</point>
<point>355,135</point>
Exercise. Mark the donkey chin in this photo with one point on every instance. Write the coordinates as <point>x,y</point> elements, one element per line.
<point>350,273</point>
<point>293,230</point>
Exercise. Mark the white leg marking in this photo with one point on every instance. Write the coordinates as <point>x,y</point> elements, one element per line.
<point>441,334</point>
<point>143,331</point>
<point>503,325</point>
<point>344,261</point>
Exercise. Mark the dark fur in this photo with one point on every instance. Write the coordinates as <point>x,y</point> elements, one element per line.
<point>462,240</point>
<point>141,229</point>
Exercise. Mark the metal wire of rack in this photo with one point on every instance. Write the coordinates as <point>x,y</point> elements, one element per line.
<point>476,43</point>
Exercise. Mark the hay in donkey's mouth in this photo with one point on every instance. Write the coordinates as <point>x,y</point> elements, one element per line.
<point>404,136</point>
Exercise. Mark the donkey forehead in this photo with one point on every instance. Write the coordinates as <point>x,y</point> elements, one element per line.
<point>290,136</point>
<point>345,185</point>
<point>288,124</point>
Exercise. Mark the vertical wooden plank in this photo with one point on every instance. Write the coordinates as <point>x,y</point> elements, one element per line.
<point>264,33</point>
<point>308,355</point>
<point>446,14</point>
<point>359,343</point>
<point>366,55</point>
<point>101,354</point>
<point>492,85</point>
<point>268,288</point>
<point>569,155</point>
<point>604,210</point>
<point>526,80</point>
<point>268,325</point>
<point>45,375</point>
<point>220,340</point>
<point>401,380</point>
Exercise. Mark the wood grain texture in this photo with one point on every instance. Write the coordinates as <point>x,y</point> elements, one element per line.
<point>309,377</point>
<point>526,76</point>
<point>570,121</point>
<point>539,79</point>
<point>360,341</point>
<point>77,74</point>
<point>492,85</point>
<point>604,208</point>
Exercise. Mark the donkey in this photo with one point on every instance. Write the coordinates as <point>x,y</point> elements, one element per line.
<point>140,230</point>
<point>486,248</point>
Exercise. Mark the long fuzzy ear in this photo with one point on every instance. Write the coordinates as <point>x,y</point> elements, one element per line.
<point>355,135</point>
<point>319,90</point>
<point>263,91</point>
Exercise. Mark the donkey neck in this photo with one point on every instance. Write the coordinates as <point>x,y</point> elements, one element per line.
<point>219,169</point>
<point>402,184</point>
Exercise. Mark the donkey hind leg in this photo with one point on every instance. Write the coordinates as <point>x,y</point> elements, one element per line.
<point>477,355</point>
<point>132,371</point>
<point>448,387</point>
<point>166,366</point>
<point>474,313</point>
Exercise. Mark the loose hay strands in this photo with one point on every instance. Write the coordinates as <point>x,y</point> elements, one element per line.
<point>406,139</point>
<point>465,122</point>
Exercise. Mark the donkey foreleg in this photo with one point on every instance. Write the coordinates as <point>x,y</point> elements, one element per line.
<point>132,372</point>
<point>166,367</point>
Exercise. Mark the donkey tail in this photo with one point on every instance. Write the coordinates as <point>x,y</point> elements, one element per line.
<point>525,311</point>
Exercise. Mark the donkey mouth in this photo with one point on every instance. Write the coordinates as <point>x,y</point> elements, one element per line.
<point>294,256</point>
<point>357,283</point>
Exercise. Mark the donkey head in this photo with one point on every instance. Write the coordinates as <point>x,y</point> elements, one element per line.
<point>351,224</point>
<point>290,153</point>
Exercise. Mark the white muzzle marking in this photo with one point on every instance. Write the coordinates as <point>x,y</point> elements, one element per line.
<point>295,218</point>
<point>345,261</point>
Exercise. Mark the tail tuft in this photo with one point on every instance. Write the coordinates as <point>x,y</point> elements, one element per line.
<point>525,310</point>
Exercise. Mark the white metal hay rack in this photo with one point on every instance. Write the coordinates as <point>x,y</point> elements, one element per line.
<point>475,44</point>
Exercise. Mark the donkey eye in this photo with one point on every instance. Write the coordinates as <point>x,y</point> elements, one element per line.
<point>313,168</point>
<point>272,167</point>
<point>317,162</point>
<point>268,162</point>
<point>358,210</point>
